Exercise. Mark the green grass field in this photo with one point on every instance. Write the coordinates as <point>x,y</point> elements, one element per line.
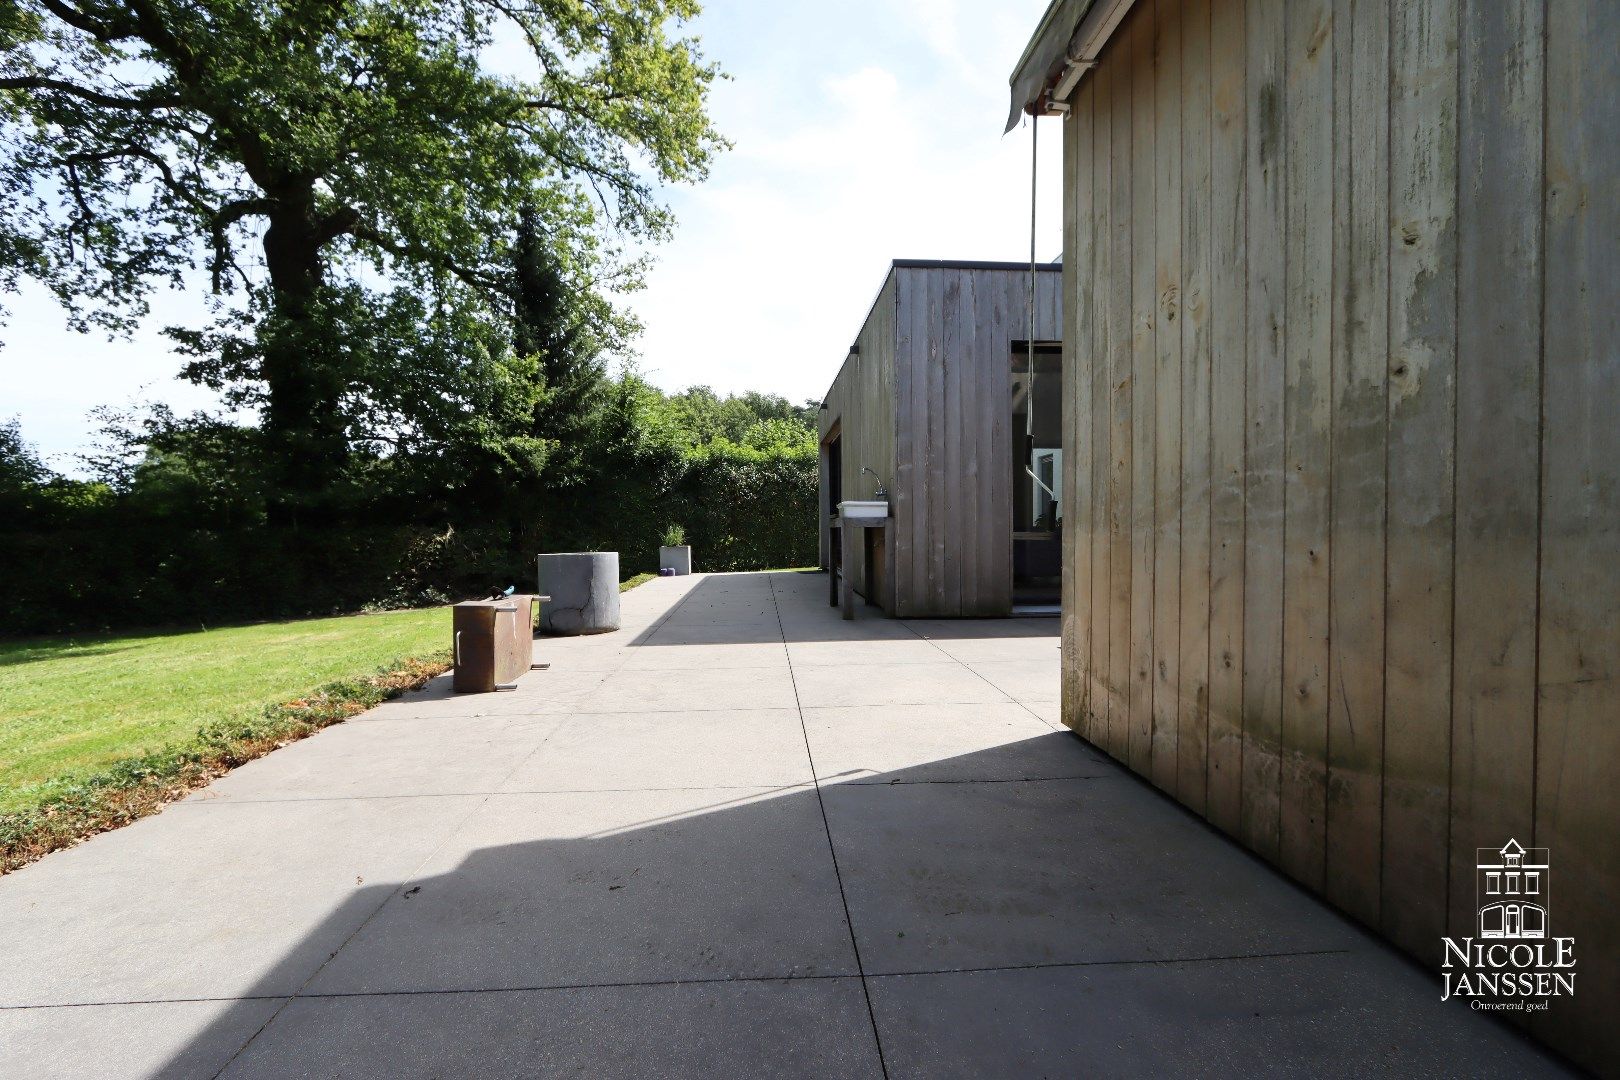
<point>71,707</point>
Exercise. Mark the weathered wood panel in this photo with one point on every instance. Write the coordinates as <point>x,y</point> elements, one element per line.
<point>1077,336</point>
<point>1121,392</point>
<point>1166,426</point>
<point>1144,361</point>
<point>1228,328</point>
<point>1578,686</point>
<point>952,489</point>
<point>1102,397</point>
<point>1499,275</point>
<point>1191,691</point>
<point>861,402</point>
<point>1422,420</point>
<point>1263,457</point>
<point>1393,433</point>
<point>1307,431</point>
<point>1360,365</point>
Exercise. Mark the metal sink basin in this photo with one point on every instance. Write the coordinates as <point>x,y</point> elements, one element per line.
<point>864,510</point>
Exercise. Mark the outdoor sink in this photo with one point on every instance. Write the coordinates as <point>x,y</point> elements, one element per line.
<point>864,510</point>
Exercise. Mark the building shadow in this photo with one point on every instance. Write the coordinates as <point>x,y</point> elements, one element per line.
<point>1013,911</point>
<point>765,607</point>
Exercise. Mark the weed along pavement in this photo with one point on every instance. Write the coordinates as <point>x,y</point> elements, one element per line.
<point>738,837</point>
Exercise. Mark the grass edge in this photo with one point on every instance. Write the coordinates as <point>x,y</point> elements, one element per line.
<point>70,811</point>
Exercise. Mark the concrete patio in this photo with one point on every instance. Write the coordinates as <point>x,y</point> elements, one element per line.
<point>739,837</point>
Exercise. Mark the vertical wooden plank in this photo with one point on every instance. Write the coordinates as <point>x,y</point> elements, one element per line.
<point>994,523</point>
<point>939,504</point>
<point>971,427</point>
<point>1578,693</point>
<point>1167,391</point>
<point>1360,363</point>
<point>1228,335</point>
<point>1144,315</point>
<point>915,312</point>
<point>1307,431</point>
<point>1499,273</point>
<point>1421,418</point>
<point>955,501</point>
<point>1121,391</point>
<point>1004,324</point>
<point>1263,459</point>
<point>1192,699</point>
<point>1101,287</point>
<point>1078,445</point>
<point>903,498</point>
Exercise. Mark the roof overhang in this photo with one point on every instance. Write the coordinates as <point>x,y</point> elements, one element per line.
<point>1070,37</point>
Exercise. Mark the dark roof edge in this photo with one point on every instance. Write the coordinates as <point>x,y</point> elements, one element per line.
<point>969,264</point>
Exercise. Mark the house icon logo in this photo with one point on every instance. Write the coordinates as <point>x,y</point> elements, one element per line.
<point>1512,887</point>
<point>1510,960</point>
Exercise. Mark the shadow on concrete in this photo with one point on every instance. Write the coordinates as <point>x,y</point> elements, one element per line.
<point>975,919</point>
<point>740,609</point>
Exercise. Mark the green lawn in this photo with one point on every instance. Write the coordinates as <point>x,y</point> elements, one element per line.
<point>70,707</point>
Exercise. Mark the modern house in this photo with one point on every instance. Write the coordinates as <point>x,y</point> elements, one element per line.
<point>947,414</point>
<point>1341,281</point>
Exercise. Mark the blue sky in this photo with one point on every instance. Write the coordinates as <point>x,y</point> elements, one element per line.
<point>864,130</point>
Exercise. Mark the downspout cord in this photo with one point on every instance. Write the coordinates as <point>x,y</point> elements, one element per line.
<point>1034,173</point>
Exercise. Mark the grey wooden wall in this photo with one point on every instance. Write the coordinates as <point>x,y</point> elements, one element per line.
<point>954,329</point>
<point>861,401</point>
<point>1343,570</point>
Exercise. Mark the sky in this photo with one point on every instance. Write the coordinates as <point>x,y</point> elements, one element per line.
<point>863,131</point>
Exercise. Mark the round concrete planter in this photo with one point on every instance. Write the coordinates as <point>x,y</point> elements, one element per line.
<point>584,591</point>
<point>678,559</point>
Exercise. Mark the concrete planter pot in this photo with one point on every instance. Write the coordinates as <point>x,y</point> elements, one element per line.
<point>678,559</point>
<point>584,591</point>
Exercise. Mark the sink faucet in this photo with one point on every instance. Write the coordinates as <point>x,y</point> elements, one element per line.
<point>880,493</point>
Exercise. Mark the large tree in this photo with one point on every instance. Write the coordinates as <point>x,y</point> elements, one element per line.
<point>346,170</point>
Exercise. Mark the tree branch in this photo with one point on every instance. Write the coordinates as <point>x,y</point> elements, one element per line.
<point>398,250</point>
<point>99,29</point>
<point>95,97</point>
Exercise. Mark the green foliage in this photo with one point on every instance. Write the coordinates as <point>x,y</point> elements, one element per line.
<point>353,179</point>
<point>674,536</point>
<point>174,531</point>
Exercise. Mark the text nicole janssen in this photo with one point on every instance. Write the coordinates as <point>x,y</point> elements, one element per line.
<point>1509,969</point>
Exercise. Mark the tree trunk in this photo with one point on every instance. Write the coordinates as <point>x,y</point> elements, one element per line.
<point>303,378</point>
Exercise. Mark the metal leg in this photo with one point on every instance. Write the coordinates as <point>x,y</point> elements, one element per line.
<point>846,588</point>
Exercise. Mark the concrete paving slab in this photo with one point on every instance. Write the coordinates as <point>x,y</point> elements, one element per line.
<point>171,1040</point>
<point>910,744</point>
<point>970,875</point>
<point>870,629</point>
<point>1316,1016</point>
<point>808,1028</point>
<point>716,632</point>
<point>694,688</point>
<point>210,900</point>
<point>758,748</point>
<point>460,755</point>
<point>864,653</point>
<point>901,684</point>
<point>612,887</point>
<point>1023,680</point>
<point>980,629</point>
<point>1044,649</point>
<point>657,657</point>
<point>579,930</point>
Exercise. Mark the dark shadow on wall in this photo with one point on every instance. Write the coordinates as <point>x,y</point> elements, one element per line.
<point>703,932</point>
